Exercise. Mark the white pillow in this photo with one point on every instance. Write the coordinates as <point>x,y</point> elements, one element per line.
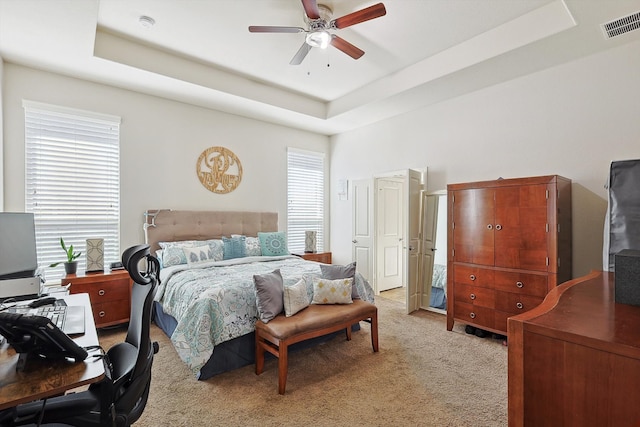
<point>336,291</point>
<point>198,254</point>
<point>295,298</point>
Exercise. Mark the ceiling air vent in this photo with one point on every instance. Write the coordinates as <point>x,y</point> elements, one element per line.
<point>621,26</point>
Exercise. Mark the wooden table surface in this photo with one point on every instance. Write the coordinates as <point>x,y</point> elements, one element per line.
<point>45,378</point>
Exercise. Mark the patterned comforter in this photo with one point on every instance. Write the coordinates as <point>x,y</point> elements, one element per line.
<point>216,302</point>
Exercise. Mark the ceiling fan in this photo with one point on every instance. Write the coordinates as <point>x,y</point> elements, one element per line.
<point>320,22</point>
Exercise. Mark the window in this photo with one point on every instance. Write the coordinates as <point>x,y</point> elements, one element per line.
<point>72,182</point>
<point>305,195</point>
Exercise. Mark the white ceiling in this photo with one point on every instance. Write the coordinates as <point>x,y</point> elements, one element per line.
<point>201,52</point>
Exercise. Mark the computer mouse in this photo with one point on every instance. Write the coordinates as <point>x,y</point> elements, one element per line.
<point>42,301</point>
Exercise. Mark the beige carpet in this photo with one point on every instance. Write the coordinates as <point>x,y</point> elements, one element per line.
<point>423,375</point>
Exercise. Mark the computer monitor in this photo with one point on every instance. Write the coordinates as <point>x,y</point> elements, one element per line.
<point>18,257</point>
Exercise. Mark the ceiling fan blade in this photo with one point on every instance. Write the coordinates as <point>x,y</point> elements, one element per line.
<point>371,12</point>
<point>274,29</point>
<point>300,55</point>
<point>311,9</point>
<point>343,45</point>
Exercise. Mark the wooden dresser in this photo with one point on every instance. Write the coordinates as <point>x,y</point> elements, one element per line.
<point>509,243</point>
<point>575,359</point>
<point>109,292</point>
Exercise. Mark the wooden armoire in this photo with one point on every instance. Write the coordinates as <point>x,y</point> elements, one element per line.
<point>509,243</point>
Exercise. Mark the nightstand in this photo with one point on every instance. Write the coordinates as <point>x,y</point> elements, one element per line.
<point>323,257</point>
<point>109,292</point>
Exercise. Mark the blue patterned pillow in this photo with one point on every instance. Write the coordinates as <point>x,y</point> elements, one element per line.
<point>234,247</point>
<point>273,244</point>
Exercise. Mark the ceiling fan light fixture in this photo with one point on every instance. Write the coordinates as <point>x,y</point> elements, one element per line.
<point>319,39</point>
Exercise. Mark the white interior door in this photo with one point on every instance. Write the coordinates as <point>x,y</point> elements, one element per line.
<point>362,234</point>
<point>429,233</point>
<point>412,250</point>
<point>389,233</point>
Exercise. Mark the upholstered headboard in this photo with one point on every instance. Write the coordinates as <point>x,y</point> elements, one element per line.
<point>165,225</point>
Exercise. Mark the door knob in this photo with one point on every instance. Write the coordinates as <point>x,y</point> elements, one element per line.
<point>354,241</point>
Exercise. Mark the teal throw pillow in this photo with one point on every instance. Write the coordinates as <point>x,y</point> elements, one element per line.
<point>234,247</point>
<point>273,244</point>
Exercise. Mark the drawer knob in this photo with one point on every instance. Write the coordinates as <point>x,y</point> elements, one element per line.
<point>472,277</point>
<point>489,226</point>
<point>519,305</point>
<point>101,292</point>
<point>472,296</point>
<point>472,315</point>
<point>498,227</point>
<point>101,314</point>
<point>519,284</point>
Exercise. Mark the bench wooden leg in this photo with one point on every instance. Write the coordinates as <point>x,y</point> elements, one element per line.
<point>348,329</point>
<point>283,366</point>
<point>259,355</point>
<point>374,332</point>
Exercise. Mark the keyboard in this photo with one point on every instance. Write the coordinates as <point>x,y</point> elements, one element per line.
<point>69,319</point>
<point>54,313</point>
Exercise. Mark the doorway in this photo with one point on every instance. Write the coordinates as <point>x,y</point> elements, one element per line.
<point>386,233</point>
<point>433,277</point>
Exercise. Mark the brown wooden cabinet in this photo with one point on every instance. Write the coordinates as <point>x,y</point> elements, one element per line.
<point>509,243</point>
<point>109,292</point>
<point>323,257</point>
<point>575,359</point>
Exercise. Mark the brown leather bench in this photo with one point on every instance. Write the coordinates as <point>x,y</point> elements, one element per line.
<point>314,321</point>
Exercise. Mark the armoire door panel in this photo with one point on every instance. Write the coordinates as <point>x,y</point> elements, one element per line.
<point>473,237</point>
<point>521,227</point>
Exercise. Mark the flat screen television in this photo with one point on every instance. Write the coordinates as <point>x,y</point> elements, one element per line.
<point>17,245</point>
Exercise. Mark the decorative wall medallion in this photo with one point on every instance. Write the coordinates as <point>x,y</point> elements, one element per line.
<point>219,170</point>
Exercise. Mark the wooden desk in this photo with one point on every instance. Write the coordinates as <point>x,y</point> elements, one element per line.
<point>575,359</point>
<point>50,378</point>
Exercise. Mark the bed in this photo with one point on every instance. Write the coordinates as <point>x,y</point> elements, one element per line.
<point>208,307</point>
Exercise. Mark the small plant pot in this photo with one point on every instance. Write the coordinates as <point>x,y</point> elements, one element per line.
<point>71,267</point>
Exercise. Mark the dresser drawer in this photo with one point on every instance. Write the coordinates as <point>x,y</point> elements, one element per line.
<point>476,295</point>
<point>523,283</point>
<point>516,303</point>
<point>481,316</point>
<point>475,276</point>
<point>109,292</point>
<point>111,312</point>
<point>104,291</point>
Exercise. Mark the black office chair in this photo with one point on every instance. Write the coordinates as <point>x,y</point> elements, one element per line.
<point>121,397</point>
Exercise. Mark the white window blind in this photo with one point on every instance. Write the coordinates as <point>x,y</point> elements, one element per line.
<point>72,182</point>
<point>305,195</point>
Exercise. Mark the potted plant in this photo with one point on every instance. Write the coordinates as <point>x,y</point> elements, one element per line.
<point>70,265</point>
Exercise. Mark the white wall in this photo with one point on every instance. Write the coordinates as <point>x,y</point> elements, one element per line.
<point>571,120</point>
<point>160,143</point>
<point>1,140</point>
